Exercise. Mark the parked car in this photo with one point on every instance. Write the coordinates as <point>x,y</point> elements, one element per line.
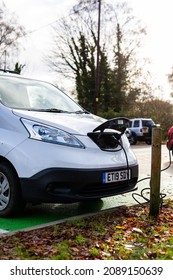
<point>141,130</point>
<point>54,151</point>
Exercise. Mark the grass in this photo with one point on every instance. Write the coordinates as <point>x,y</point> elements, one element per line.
<point>127,233</point>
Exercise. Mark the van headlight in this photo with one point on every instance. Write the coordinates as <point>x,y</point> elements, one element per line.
<point>50,134</point>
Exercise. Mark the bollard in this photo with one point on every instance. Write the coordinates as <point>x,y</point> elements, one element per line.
<point>155,172</point>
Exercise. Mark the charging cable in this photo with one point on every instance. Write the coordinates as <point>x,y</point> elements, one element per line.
<point>162,195</point>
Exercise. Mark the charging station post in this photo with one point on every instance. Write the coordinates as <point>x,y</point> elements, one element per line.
<point>155,171</point>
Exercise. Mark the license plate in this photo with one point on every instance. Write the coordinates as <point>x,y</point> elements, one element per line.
<point>145,129</point>
<point>115,176</point>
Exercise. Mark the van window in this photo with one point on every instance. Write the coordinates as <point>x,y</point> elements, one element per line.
<point>136,123</point>
<point>147,123</point>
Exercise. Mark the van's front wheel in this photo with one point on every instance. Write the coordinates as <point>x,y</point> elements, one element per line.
<point>11,202</point>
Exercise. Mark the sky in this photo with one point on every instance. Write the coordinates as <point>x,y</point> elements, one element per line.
<point>36,16</point>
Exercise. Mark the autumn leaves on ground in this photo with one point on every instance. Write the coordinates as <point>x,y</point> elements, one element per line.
<point>125,233</point>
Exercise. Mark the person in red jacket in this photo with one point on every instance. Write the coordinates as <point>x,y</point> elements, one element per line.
<point>170,139</point>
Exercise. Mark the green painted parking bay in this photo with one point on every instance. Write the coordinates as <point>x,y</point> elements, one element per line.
<point>47,213</point>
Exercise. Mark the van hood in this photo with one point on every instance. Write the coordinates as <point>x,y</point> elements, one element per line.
<point>78,124</point>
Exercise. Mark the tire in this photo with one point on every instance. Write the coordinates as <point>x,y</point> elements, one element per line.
<point>148,142</point>
<point>133,139</point>
<point>11,202</point>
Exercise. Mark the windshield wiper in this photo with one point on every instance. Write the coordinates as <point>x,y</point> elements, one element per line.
<point>81,112</point>
<point>52,110</point>
<point>55,110</point>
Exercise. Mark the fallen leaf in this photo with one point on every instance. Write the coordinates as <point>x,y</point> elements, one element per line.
<point>138,230</point>
<point>129,246</point>
<point>119,227</point>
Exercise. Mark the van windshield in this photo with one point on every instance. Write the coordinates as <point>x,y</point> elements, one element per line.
<point>27,94</point>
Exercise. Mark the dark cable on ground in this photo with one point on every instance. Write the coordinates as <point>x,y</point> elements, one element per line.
<point>141,195</point>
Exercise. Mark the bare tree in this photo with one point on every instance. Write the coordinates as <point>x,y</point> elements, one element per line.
<point>10,32</point>
<point>74,53</point>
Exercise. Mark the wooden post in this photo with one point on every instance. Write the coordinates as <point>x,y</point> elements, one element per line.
<point>97,81</point>
<point>155,172</point>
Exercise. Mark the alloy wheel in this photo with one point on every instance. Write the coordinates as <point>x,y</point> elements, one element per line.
<point>4,191</point>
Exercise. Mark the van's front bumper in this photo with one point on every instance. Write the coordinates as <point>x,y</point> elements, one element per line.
<point>71,185</point>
